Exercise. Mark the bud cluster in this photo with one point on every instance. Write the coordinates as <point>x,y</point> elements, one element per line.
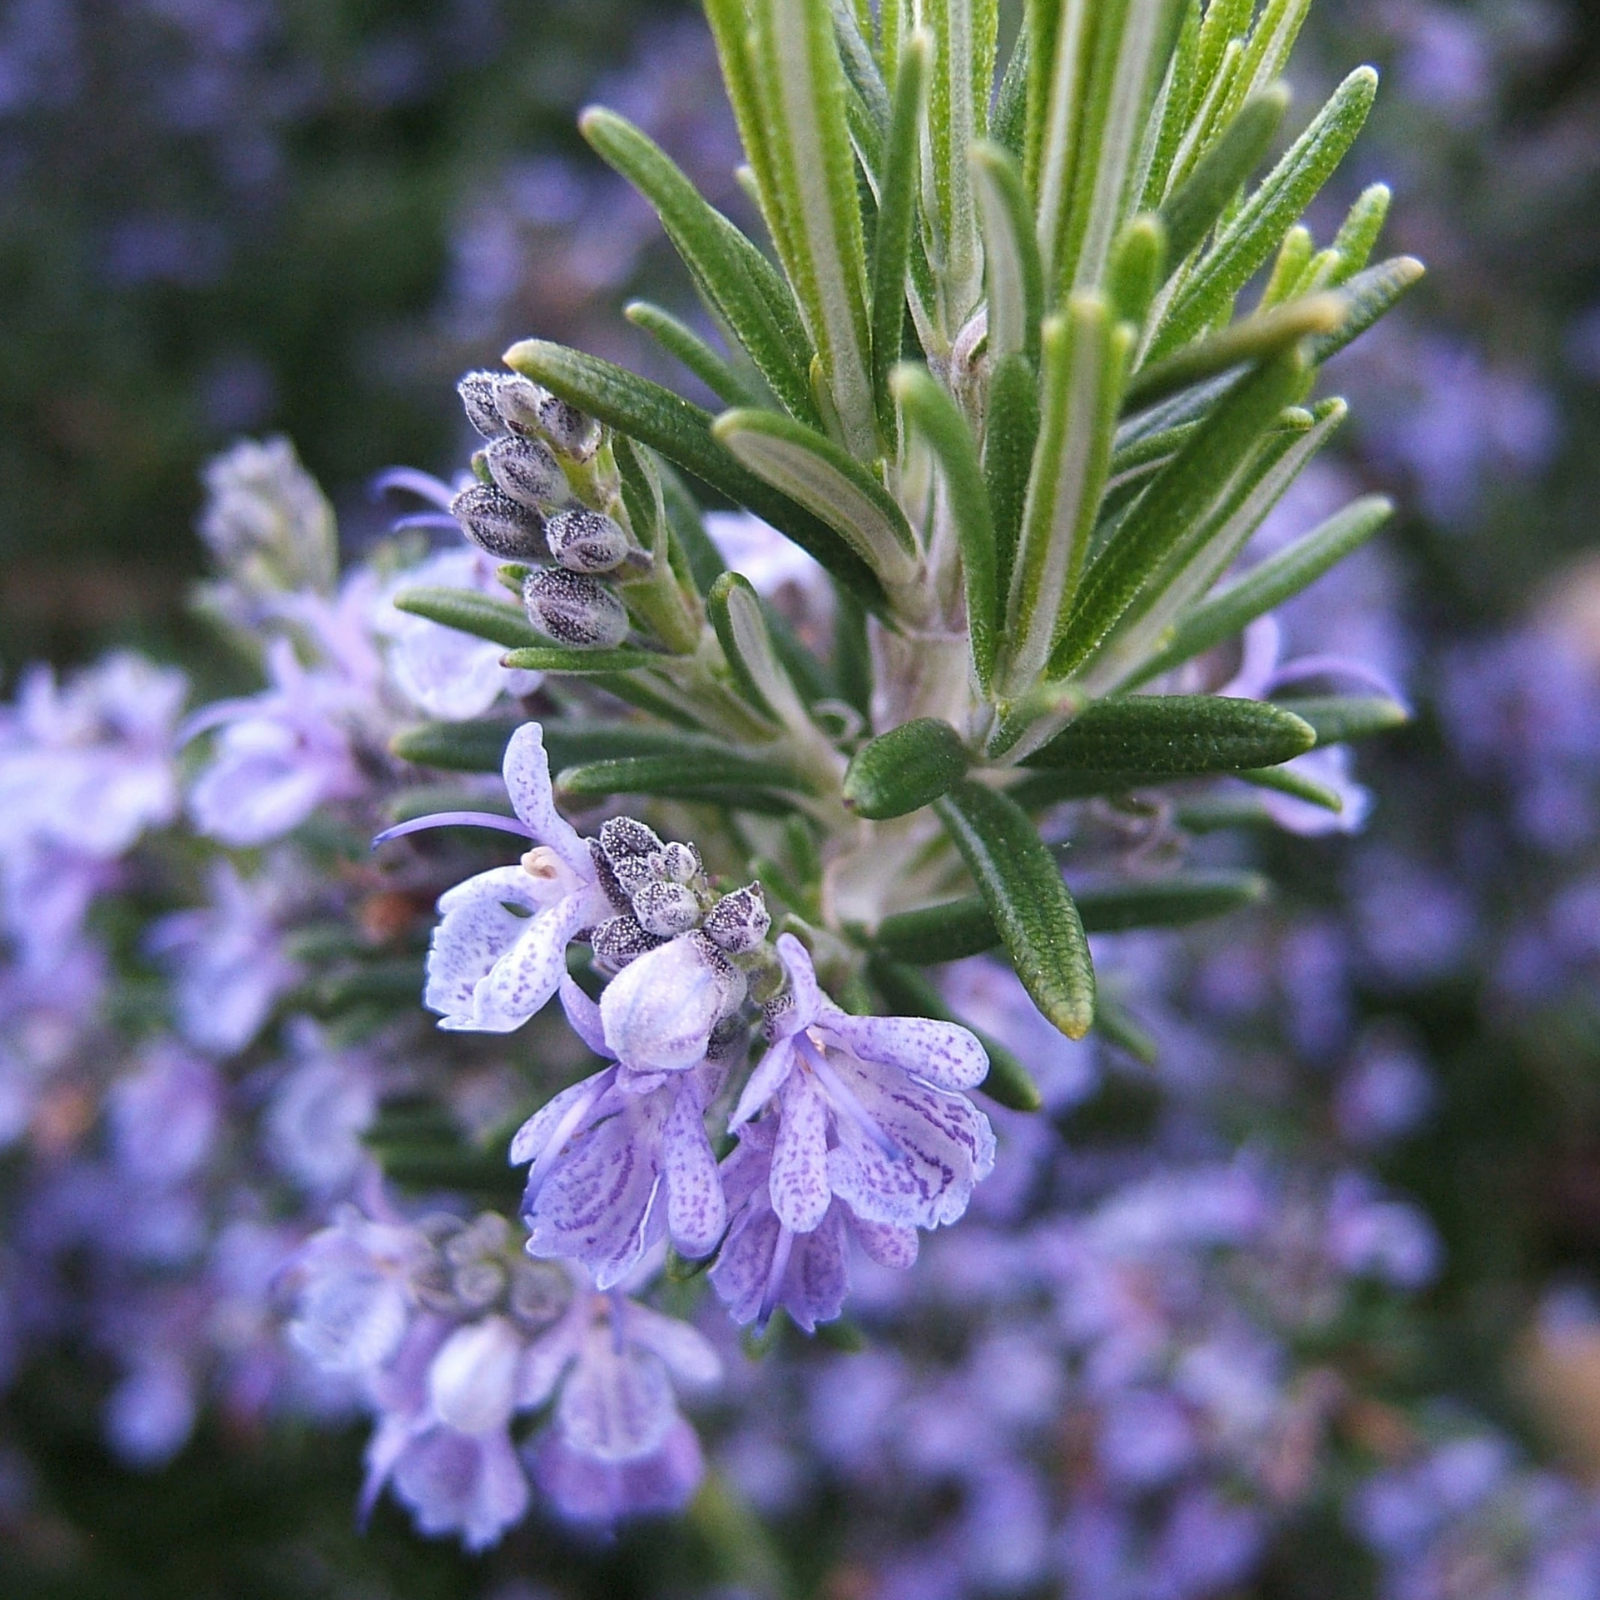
<point>524,508</point>
<point>661,893</point>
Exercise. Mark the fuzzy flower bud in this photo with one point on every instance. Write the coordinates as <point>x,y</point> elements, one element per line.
<point>586,541</point>
<point>472,1381</point>
<point>517,401</point>
<point>574,609</point>
<point>527,470</point>
<point>478,391</point>
<point>632,850</point>
<point>667,909</point>
<point>496,523</point>
<point>572,432</point>
<point>659,1013</point>
<point>619,940</point>
<point>680,863</point>
<point>739,921</point>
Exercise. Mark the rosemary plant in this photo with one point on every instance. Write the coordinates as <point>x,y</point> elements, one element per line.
<point>1024,360</point>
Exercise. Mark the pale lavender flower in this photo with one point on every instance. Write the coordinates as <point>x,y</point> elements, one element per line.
<point>85,769</point>
<point>442,671</point>
<point>620,1158</point>
<point>658,1013</point>
<point>489,967</point>
<point>164,1117</point>
<point>318,1112</point>
<point>279,755</point>
<point>765,1264</point>
<point>226,959</point>
<point>870,1110</point>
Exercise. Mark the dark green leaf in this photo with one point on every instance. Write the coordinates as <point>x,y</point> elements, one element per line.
<point>558,658</point>
<point>1022,887</point>
<point>467,611</point>
<point>1011,432</point>
<point>677,338</point>
<point>701,765</point>
<point>1336,718</point>
<point>905,769</point>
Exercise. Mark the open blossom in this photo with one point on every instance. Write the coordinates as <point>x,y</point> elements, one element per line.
<point>869,1133</point>
<point>491,967</point>
<point>620,1158</point>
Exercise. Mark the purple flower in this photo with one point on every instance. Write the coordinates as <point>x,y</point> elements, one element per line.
<point>869,1110</point>
<point>658,1013</point>
<point>226,959</point>
<point>442,671</point>
<point>619,1158</point>
<point>500,949</point>
<point>764,1264</point>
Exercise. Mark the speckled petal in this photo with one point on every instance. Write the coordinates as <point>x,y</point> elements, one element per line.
<point>688,1354</point>
<point>524,978</point>
<point>475,932</point>
<point>818,1275</point>
<point>740,1275</point>
<point>768,1078</point>
<point>945,1143</point>
<point>594,1204</point>
<point>886,1244</point>
<point>583,1015</point>
<point>944,1053</point>
<point>660,1009</point>
<point>616,1405</point>
<point>696,1210</point>
<point>799,1183</point>
<point>530,1139</point>
<point>527,775</point>
<point>809,999</point>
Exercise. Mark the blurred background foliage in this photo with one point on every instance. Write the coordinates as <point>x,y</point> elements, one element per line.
<point>308,216</point>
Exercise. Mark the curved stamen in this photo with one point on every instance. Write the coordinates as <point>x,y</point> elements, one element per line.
<point>1330,666</point>
<point>456,819</point>
<point>424,519</point>
<point>844,1098</point>
<point>780,1265</point>
<point>410,481</point>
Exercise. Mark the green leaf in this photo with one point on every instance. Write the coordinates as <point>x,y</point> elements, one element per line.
<point>1358,235</point>
<point>682,433</point>
<point>1011,254</point>
<point>905,769</point>
<point>803,93</point>
<point>1022,887</point>
<point>897,209</point>
<point>1137,265</point>
<point>1164,137</point>
<point>1117,1025</point>
<point>700,765</point>
<point>1271,582</point>
<point>468,611</point>
<point>1084,358</point>
<point>958,113</point>
<point>1191,211</point>
<point>816,473</point>
<point>1125,743</point>
<point>1133,41</point>
<point>932,412</point>
<point>1291,268</point>
<point>1271,40</point>
<point>558,658</point>
<point>867,104</point>
<point>680,340</point>
<point>1253,339</point>
<point>726,267</point>
<point>740,622</point>
<point>454,746</point>
<point>1299,785</point>
<point>1368,296</point>
<point>1178,495</point>
<point>1337,718</point>
<point>961,928</point>
<point>1010,433</point>
<point>909,994</point>
<point>1061,34</point>
<point>701,557</point>
<point>1212,543</point>
<point>1251,237</point>
<point>1008,125</point>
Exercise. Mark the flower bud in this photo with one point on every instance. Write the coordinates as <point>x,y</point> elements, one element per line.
<point>630,848</point>
<point>517,399</point>
<point>680,863</point>
<point>586,541</point>
<point>729,1040</point>
<point>667,909</point>
<point>479,391</point>
<point>571,431</point>
<point>495,522</point>
<point>573,609</point>
<point>619,940</point>
<point>527,470</point>
<point>472,1380</point>
<point>739,921</point>
<point>659,1014</point>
